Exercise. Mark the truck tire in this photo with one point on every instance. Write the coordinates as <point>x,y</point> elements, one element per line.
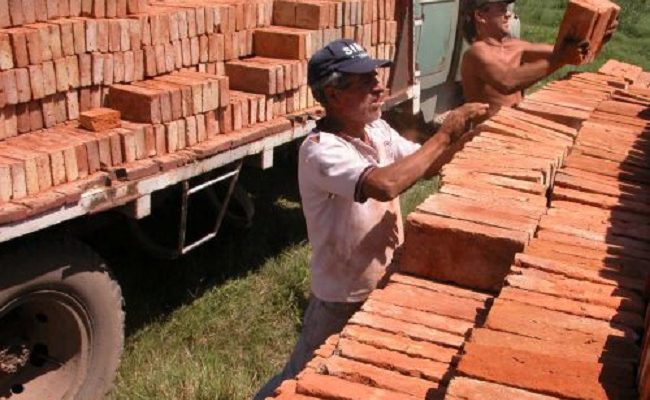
<point>59,305</point>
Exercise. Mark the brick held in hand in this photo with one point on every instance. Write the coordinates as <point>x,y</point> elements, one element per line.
<point>100,119</point>
<point>587,20</point>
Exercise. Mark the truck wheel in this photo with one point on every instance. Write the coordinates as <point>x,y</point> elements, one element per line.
<point>61,322</point>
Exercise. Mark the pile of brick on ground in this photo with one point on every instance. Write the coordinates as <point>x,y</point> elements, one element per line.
<point>554,299</point>
<point>190,78</point>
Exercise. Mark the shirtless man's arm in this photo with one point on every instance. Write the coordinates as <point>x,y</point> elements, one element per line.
<point>535,51</point>
<point>509,79</point>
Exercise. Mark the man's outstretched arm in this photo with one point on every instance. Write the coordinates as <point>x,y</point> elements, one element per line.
<point>508,80</point>
<point>535,51</point>
<point>386,183</point>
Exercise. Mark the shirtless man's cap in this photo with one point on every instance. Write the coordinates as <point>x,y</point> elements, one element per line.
<point>475,4</point>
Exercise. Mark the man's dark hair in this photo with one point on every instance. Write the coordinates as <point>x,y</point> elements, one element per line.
<point>469,24</point>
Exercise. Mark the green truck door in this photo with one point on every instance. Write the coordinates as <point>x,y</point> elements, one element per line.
<point>435,37</point>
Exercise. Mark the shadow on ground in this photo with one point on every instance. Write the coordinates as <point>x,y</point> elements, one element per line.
<point>154,287</point>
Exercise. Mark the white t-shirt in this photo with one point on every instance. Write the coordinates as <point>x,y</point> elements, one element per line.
<point>353,239</point>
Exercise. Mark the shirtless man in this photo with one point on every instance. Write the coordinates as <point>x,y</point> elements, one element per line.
<point>497,67</point>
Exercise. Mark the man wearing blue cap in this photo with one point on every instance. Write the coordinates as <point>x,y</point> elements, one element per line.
<point>351,170</point>
<point>498,67</point>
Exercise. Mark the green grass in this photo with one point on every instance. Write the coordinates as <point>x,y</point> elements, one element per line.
<point>217,323</point>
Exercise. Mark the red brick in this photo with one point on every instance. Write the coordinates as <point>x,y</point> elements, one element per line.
<point>171,93</point>
<point>182,136</point>
<point>161,62</point>
<point>10,86</point>
<point>545,374</point>
<point>171,136</point>
<point>252,77</point>
<point>439,303</point>
<point>139,139</point>
<point>190,131</point>
<point>73,71</point>
<point>42,203</point>
<point>578,308</point>
<point>380,304</point>
<point>138,65</point>
<point>52,9</point>
<point>18,37</point>
<point>32,164</point>
<point>322,386</point>
<point>575,351</point>
<point>136,103</point>
<point>5,16</point>
<point>593,233</point>
<point>16,12</point>
<point>91,147</point>
<point>282,42</point>
<point>118,67</point>
<point>589,259</point>
<point>559,327</point>
<point>75,155</point>
<point>579,290</point>
<point>100,119</point>
<point>313,15</point>
<point>196,89</point>
<point>72,104</point>
<point>559,114</point>
<point>463,388</point>
<point>36,81</point>
<point>362,373</point>
<point>414,331</point>
<point>6,52</point>
<point>453,207</point>
<point>18,176</point>
<point>135,170</point>
<point>398,343</point>
<point>23,85</point>
<point>5,181</point>
<point>452,250</point>
<point>464,173</point>
<point>10,212</point>
<point>103,35</point>
<point>284,13</point>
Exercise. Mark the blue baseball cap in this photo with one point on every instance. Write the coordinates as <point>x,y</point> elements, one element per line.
<point>341,55</point>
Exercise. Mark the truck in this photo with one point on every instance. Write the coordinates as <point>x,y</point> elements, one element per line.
<point>61,309</point>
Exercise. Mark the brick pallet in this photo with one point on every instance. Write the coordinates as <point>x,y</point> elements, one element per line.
<point>564,315</point>
<point>190,79</point>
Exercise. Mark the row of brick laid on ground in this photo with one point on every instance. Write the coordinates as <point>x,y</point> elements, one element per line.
<point>525,277</point>
<point>189,79</point>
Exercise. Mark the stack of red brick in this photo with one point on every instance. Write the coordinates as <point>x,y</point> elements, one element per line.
<point>567,323</point>
<point>401,345</point>
<point>193,78</point>
<point>492,196</point>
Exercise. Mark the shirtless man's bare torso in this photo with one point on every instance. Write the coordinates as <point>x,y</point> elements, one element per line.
<point>497,67</point>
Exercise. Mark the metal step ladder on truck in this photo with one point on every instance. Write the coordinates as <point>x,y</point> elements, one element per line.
<point>61,310</point>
